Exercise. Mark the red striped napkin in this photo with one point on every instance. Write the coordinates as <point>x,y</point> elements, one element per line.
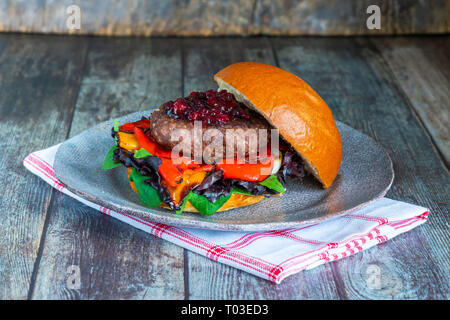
<point>276,254</point>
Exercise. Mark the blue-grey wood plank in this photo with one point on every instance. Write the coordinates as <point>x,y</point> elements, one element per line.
<point>40,78</point>
<point>39,81</point>
<point>213,280</point>
<point>116,261</point>
<point>421,67</point>
<point>361,90</point>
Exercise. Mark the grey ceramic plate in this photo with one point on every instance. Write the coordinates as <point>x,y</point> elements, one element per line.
<point>366,174</point>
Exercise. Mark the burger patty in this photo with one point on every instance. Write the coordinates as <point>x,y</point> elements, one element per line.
<point>163,129</point>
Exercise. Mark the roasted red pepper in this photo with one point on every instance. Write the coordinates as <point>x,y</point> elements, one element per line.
<point>184,163</point>
<point>149,145</point>
<point>247,171</point>
<point>172,169</point>
<point>167,169</point>
<point>170,172</point>
<point>144,123</point>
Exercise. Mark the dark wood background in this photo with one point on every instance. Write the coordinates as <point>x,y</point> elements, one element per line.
<point>395,89</point>
<point>226,17</point>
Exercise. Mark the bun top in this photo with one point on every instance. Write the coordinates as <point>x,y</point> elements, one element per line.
<point>289,104</point>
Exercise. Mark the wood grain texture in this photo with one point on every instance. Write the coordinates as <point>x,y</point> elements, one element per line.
<point>337,17</point>
<point>226,17</point>
<point>52,87</point>
<point>422,70</point>
<point>361,90</point>
<point>116,261</point>
<point>39,83</point>
<point>126,75</point>
<point>213,280</point>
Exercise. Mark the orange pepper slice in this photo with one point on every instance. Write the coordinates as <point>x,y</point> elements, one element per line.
<point>128,141</point>
<point>191,178</point>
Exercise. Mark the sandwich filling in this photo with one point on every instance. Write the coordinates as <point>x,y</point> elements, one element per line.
<point>162,174</point>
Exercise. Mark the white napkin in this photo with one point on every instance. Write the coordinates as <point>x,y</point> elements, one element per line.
<point>272,255</point>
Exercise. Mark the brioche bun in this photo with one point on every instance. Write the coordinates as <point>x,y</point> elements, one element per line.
<point>289,104</point>
<point>236,200</point>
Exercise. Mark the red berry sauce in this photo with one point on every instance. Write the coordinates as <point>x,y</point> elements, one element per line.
<point>211,107</point>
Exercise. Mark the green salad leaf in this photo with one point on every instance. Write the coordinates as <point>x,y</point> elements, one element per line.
<point>237,190</point>
<point>142,153</point>
<point>183,205</point>
<point>116,125</point>
<point>203,205</point>
<point>109,162</point>
<point>206,207</point>
<point>273,183</point>
<point>148,195</point>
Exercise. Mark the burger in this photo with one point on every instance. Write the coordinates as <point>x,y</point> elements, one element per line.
<point>200,153</point>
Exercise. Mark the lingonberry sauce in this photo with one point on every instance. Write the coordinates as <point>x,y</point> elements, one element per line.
<point>210,107</point>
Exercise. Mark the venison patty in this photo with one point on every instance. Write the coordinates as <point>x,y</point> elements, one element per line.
<point>164,130</point>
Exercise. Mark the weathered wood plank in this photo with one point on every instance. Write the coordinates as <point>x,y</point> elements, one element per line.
<point>116,261</point>
<point>212,280</point>
<point>362,92</point>
<point>349,17</point>
<point>39,81</point>
<point>422,71</point>
<point>125,75</point>
<point>219,17</point>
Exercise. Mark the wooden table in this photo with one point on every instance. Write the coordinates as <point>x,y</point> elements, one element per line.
<point>53,87</point>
